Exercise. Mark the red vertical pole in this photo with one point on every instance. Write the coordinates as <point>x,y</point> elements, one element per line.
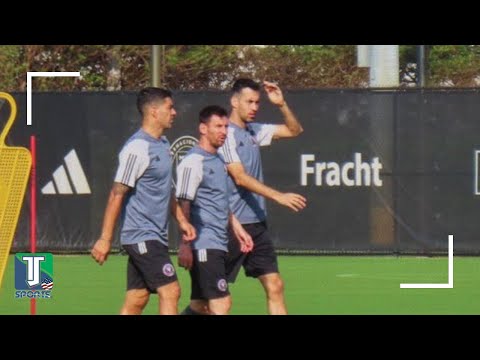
<point>33,210</point>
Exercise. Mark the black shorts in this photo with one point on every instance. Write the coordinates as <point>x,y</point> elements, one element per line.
<point>260,261</point>
<point>208,275</point>
<point>149,266</point>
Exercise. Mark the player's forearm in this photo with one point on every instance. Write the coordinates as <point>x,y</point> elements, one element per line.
<point>290,120</point>
<point>234,223</point>
<point>177,211</point>
<point>184,208</point>
<point>253,185</point>
<point>112,211</point>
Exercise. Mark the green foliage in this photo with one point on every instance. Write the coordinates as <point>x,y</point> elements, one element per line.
<point>95,63</point>
<point>12,68</point>
<point>193,67</point>
<point>446,65</point>
<point>408,61</point>
<point>200,67</point>
<point>305,66</point>
<point>457,65</point>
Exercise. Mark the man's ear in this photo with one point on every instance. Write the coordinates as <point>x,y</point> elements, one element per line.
<point>234,101</point>
<point>202,128</point>
<point>152,110</point>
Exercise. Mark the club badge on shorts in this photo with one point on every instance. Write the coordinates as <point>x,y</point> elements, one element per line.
<point>222,285</point>
<point>168,270</point>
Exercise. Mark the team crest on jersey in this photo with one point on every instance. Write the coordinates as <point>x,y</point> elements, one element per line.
<point>222,285</point>
<point>179,149</point>
<point>168,270</point>
<point>252,137</point>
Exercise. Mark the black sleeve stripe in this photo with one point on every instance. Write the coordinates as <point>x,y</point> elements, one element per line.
<point>181,181</point>
<point>129,168</point>
<point>184,198</point>
<point>185,180</point>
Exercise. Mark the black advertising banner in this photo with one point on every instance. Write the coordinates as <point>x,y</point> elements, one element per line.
<point>383,171</point>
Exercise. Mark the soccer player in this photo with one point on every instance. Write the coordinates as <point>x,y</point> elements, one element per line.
<point>202,191</point>
<point>142,191</point>
<point>242,155</point>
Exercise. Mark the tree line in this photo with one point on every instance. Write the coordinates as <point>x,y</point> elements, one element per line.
<point>203,67</point>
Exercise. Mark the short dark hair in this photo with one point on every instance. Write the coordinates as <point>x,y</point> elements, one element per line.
<point>150,95</point>
<point>243,83</point>
<point>207,112</point>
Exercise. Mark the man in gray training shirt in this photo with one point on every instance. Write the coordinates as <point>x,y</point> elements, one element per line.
<point>202,192</point>
<point>242,155</point>
<point>142,191</point>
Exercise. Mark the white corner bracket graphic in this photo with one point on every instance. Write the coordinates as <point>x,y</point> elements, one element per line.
<point>450,273</point>
<point>31,74</point>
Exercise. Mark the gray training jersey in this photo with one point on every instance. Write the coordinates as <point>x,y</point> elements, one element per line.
<point>243,145</point>
<point>145,165</point>
<point>202,179</point>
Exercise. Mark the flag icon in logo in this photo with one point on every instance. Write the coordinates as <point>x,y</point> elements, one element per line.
<point>47,283</point>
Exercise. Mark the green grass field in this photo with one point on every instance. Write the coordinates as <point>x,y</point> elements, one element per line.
<point>314,285</point>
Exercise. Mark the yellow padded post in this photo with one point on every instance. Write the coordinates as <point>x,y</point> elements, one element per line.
<point>15,165</point>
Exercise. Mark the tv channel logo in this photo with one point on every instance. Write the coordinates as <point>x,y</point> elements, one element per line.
<point>33,275</point>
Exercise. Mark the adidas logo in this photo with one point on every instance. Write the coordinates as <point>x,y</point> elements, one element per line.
<point>211,172</point>
<point>61,183</point>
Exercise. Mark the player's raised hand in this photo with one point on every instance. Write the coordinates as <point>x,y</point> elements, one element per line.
<point>293,201</point>
<point>274,93</point>
<point>101,250</point>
